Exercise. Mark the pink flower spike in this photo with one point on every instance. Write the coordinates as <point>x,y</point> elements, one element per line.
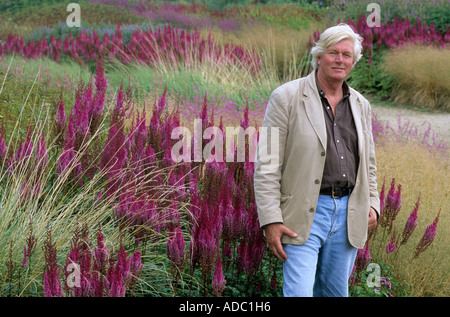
<point>390,247</point>
<point>51,282</point>
<point>363,258</point>
<point>411,223</point>
<point>41,156</point>
<point>176,247</point>
<point>218,282</point>
<point>101,253</point>
<point>428,237</point>
<point>136,265</point>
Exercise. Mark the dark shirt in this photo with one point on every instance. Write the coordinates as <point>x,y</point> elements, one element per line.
<point>342,160</point>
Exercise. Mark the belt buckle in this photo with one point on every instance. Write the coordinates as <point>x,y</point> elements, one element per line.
<point>333,193</point>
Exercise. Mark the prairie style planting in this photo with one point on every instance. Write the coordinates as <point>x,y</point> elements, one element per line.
<point>92,202</point>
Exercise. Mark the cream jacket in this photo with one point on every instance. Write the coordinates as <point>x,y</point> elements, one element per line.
<point>287,188</point>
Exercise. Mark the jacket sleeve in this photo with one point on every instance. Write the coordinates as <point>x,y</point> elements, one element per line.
<point>269,160</point>
<point>373,189</point>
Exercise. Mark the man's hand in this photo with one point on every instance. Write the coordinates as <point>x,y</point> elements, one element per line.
<point>372,219</point>
<point>273,235</point>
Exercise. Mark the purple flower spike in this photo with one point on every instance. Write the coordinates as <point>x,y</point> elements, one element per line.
<point>392,205</point>
<point>411,223</point>
<point>175,248</point>
<point>218,282</point>
<point>428,237</point>
<point>390,247</point>
<point>51,282</point>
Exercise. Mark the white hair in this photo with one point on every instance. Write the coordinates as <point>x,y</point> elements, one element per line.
<point>333,35</point>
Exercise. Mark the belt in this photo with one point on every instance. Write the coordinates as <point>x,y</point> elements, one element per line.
<point>335,192</point>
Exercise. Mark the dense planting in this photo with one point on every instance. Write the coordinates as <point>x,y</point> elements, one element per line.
<point>98,164</point>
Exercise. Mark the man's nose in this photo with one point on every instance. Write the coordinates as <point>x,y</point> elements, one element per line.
<point>339,58</point>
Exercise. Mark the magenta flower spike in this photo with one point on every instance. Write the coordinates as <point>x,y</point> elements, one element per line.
<point>81,123</point>
<point>67,158</point>
<point>51,282</point>
<point>119,108</point>
<point>204,113</point>
<point>218,282</point>
<point>411,223</point>
<point>251,255</point>
<point>245,123</point>
<point>226,212</point>
<point>391,206</point>
<point>113,282</point>
<point>428,237</point>
<point>176,247</point>
<point>101,253</point>
<point>96,109</point>
<point>41,155</point>
<point>390,247</point>
<point>123,264</point>
<point>136,265</point>
<point>24,150</point>
<point>382,196</point>
<point>393,198</point>
<point>114,156</point>
<point>363,258</point>
<point>85,287</point>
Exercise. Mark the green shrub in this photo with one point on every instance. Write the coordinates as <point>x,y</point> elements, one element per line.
<point>371,78</point>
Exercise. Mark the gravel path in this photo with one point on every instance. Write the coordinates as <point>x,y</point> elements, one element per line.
<point>440,122</point>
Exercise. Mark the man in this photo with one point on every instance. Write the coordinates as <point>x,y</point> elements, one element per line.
<point>318,201</point>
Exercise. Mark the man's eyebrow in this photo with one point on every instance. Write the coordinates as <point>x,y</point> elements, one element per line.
<point>337,51</point>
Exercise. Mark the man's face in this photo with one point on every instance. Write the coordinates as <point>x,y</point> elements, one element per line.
<point>337,61</point>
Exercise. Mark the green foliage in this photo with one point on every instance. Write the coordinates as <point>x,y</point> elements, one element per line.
<point>21,90</point>
<point>35,82</point>
<point>440,16</point>
<point>266,281</point>
<point>223,4</point>
<point>286,15</point>
<point>370,78</point>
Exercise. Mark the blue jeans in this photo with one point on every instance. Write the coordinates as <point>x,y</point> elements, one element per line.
<point>321,267</point>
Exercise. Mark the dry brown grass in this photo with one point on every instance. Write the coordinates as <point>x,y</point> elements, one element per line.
<point>282,49</point>
<point>420,173</point>
<point>423,75</point>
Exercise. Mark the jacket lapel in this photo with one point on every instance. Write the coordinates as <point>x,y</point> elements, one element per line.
<point>314,109</point>
<point>356,111</point>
